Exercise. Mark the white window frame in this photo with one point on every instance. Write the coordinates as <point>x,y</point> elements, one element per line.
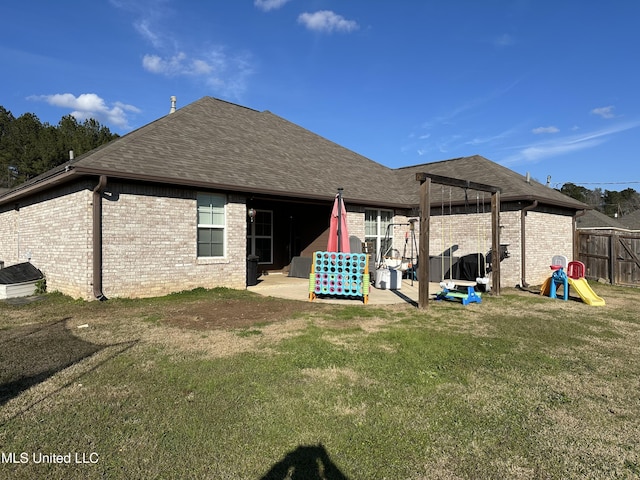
<point>381,231</point>
<point>212,226</point>
<point>251,236</point>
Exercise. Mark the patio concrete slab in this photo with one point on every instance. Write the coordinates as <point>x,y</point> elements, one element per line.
<point>281,286</point>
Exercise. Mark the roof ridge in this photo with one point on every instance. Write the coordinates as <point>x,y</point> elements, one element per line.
<point>436,162</point>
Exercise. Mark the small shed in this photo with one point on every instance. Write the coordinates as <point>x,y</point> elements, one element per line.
<point>19,280</point>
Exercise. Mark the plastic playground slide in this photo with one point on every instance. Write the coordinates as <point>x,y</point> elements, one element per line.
<point>546,286</point>
<point>586,293</point>
<point>581,287</point>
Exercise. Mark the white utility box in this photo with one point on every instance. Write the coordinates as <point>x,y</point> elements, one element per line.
<point>388,279</point>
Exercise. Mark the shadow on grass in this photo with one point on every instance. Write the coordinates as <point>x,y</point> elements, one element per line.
<point>305,463</point>
<point>535,290</point>
<point>31,354</point>
<point>405,298</point>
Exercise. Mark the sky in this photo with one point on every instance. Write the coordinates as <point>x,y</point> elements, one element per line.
<point>545,87</point>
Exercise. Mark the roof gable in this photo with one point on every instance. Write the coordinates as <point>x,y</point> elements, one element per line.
<point>596,219</point>
<point>222,144</point>
<point>478,169</point>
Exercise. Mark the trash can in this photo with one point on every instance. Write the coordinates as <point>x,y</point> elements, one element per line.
<point>252,270</point>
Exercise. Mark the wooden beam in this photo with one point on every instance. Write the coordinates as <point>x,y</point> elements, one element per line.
<point>423,248</point>
<point>456,182</point>
<point>495,243</point>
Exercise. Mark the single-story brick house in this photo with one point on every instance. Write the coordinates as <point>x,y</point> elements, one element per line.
<point>165,207</point>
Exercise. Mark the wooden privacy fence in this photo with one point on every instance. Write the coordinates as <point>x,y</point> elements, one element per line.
<point>611,255</point>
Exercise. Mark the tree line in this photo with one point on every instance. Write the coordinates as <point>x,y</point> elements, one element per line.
<point>611,203</point>
<point>29,147</point>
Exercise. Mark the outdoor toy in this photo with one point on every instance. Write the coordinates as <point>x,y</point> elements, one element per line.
<point>573,277</point>
<point>459,290</point>
<point>339,275</point>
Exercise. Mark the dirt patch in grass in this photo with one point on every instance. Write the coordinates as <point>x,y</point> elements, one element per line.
<point>235,313</point>
<point>229,327</point>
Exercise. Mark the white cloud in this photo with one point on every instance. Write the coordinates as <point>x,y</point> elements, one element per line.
<point>535,152</point>
<point>149,14</point>
<point>540,130</point>
<point>327,21</point>
<point>473,104</point>
<point>492,138</point>
<point>267,5</point>
<point>144,28</point>
<point>225,73</point>
<point>90,105</point>
<point>604,112</point>
<point>504,40</point>
<point>176,65</point>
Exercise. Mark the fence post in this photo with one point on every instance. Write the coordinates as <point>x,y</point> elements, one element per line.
<point>613,257</point>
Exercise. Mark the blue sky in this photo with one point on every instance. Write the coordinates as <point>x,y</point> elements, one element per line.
<point>539,86</point>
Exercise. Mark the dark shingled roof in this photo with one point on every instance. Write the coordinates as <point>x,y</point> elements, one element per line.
<point>19,273</point>
<point>215,144</point>
<point>218,143</point>
<point>631,220</point>
<point>596,219</point>
<point>480,170</point>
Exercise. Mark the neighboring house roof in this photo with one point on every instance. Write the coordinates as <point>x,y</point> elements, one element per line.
<point>19,273</point>
<point>594,219</point>
<point>215,144</point>
<point>631,220</point>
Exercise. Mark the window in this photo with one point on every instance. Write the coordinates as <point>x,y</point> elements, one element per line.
<point>211,225</point>
<point>375,230</point>
<point>260,236</point>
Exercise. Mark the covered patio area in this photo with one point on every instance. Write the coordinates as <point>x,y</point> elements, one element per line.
<point>282,286</point>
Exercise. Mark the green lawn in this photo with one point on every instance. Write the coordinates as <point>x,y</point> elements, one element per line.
<point>519,386</point>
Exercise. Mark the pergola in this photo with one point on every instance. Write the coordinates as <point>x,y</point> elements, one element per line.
<point>426,179</point>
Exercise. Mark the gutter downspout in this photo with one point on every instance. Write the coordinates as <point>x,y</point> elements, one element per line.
<point>97,238</point>
<point>523,243</point>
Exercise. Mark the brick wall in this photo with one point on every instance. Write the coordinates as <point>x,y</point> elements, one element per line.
<point>509,234</point>
<point>52,230</point>
<point>546,235</point>
<point>150,242</point>
<point>8,238</point>
<point>355,221</point>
